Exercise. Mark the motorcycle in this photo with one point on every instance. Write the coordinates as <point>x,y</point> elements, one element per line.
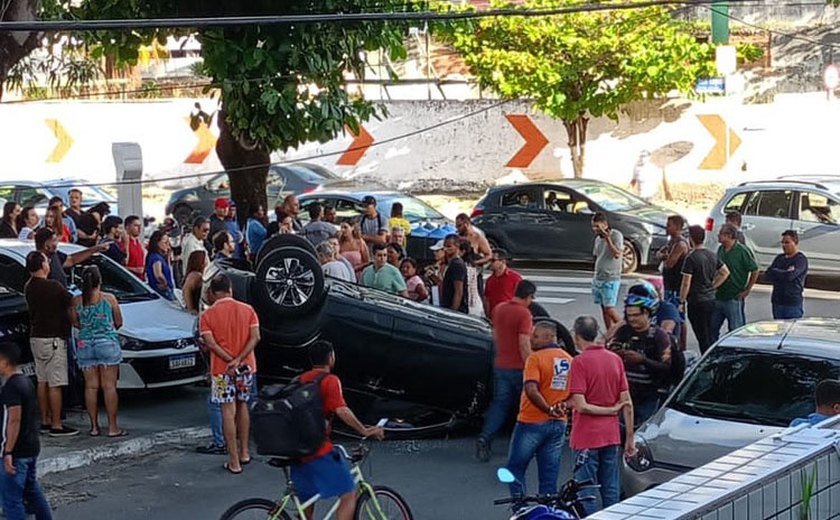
<point>565,505</point>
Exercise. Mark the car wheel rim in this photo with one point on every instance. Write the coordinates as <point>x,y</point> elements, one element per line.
<point>629,257</point>
<point>290,284</point>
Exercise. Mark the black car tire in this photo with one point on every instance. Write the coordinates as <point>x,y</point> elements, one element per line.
<point>629,257</point>
<point>182,214</point>
<point>278,241</point>
<point>297,332</point>
<point>290,282</point>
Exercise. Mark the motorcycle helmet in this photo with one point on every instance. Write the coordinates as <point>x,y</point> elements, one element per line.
<point>642,295</point>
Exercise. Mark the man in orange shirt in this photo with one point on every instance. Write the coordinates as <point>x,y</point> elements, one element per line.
<point>541,423</point>
<point>231,331</point>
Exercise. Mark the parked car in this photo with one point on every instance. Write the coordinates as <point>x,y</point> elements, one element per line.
<point>551,221</point>
<point>158,338</point>
<point>427,366</point>
<point>38,194</point>
<point>749,385</point>
<point>428,225</point>
<point>14,326</point>
<point>283,179</point>
<point>808,204</point>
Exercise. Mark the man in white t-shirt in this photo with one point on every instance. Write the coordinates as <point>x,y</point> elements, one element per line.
<point>646,177</point>
<point>332,267</point>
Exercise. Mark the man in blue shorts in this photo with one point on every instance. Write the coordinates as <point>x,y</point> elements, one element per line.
<point>327,471</point>
<point>608,266</point>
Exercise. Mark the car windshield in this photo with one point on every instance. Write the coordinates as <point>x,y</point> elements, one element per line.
<point>414,210</point>
<point>115,280</point>
<point>91,195</point>
<point>611,198</point>
<point>753,386</point>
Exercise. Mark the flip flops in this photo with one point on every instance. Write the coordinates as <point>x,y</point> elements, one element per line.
<point>121,433</point>
<point>231,471</point>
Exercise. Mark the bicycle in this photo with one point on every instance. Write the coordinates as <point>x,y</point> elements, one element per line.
<point>373,502</point>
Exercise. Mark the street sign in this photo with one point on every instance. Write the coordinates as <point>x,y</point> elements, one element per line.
<point>710,86</point>
<point>831,77</point>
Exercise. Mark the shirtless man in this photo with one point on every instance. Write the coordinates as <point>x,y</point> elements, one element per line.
<point>479,243</point>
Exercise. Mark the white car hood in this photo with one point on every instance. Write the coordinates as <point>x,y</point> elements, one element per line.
<point>156,320</point>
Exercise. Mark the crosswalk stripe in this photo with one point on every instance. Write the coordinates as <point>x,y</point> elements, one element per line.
<point>557,301</point>
<point>568,290</point>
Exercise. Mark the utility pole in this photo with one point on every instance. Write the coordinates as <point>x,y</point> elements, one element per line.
<point>720,23</point>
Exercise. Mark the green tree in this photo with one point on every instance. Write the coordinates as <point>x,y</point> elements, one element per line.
<point>282,85</point>
<point>581,65</point>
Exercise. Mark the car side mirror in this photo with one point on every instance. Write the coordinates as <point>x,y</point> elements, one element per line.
<point>505,476</point>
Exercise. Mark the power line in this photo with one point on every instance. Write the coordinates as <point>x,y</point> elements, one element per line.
<point>299,160</point>
<point>427,16</point>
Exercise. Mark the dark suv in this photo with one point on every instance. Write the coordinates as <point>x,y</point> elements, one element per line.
<point>551,221</point>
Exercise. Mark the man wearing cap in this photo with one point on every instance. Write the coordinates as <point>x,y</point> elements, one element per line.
<point>220,213</point>
<point>373,224</point>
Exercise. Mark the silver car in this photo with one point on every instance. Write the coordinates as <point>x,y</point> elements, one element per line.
<point>751,384</point>
<point>158,337</point>
<point>808,204</point>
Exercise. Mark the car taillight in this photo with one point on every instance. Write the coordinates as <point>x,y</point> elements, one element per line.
<point>477,212</point>
<point>710,224</point>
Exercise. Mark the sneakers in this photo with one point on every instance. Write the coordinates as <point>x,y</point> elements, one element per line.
<point>482,450</point>
<point>211,449</point>
<point>64,431</point>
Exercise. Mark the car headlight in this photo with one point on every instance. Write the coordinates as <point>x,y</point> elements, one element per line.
<point>127,343</point>
<point>654,229</point>
<point>642,460</point>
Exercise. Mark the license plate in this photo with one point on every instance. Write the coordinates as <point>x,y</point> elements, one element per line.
<point>27,369</point>
<point>177,362</point>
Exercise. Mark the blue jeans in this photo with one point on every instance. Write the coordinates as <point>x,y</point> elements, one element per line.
<point>23,488</point>
<point>545,440</point>
<point>507,389</point>
<point>731,311</point>
<point>601,466</point>
<point>787,312</point>
<point>214,411</point>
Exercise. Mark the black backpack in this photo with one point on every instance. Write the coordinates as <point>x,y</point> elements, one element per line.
<point>288,420</point>
<point>677,357</point>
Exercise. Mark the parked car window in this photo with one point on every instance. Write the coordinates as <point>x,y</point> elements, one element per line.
<point>815,207</point>
<point>218,183</point>
<point>346,209</point>
<point>563,201</point>
<point>12,274</point>
<point>611,198</point>
<point>414,210</point>
<point>275,179</point>
<point>115,280</point>
<point>736,203</point>
<point>7,193</point>
<point>731,384</point>
<point>523,198</point>
<point>29,196</point>
<point>775,204</point>
<point>90,194</point>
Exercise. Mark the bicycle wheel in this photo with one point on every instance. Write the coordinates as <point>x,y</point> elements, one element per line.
<point>255,509</point>
<point>385,504</point>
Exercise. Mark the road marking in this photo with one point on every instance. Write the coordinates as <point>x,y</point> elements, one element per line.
<point>568,279</point>
<point>558,301</point>
<point>569,290</point>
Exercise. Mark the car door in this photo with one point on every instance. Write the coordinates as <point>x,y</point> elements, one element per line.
<point>523,221</point>
<point>12,273</point>
<point>817,220</point>
<point>766,214</point>
<point>570,230</point>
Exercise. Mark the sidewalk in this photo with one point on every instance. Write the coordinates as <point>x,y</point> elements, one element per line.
<point>176,416</point>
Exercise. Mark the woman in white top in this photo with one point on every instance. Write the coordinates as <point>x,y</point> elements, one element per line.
<point>27,223</point>
<point>475,285</point>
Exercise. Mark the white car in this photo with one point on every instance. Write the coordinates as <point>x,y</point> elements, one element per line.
<point>158,337</point>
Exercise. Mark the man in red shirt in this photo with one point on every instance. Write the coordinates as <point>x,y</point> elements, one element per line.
<point>135,260</point>
<point>512,326</point>
<point>327,471</point>
<point>231,331</point>
<point>501,284</point>
<point>599,390</point>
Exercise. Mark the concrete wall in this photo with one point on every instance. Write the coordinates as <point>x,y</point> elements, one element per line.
<point>448,144</point>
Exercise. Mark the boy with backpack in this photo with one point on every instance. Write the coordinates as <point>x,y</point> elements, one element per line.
<point>327,471</point>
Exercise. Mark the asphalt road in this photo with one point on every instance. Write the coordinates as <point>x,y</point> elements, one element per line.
<point>439,478</point>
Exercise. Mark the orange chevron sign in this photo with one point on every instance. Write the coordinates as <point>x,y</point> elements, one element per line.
<point>358,147</point>
<point>206,144</point>
<point>535,141</point>
<point>65,141</point>
<point>719,155</point>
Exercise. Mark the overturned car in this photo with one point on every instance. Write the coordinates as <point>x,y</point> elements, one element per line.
<point>428,369</point>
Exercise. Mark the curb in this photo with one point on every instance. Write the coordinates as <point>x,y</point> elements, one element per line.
<point>127,448</point>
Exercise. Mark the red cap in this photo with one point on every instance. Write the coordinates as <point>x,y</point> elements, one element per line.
<point>222,202</point>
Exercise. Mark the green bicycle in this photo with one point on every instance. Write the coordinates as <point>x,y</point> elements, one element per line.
<point>373,503</point>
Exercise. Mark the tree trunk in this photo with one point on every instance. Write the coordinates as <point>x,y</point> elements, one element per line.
<point>576,132</point>
<point>14,46</point>
<point>666,186</point>
<point>248,170</point>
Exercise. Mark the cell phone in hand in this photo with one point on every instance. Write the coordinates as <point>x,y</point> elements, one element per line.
<point>241,370</point>
<point>382,422</point>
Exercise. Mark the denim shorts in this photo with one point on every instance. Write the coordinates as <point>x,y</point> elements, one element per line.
<point>605,292</point>
<point>98,353</point>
